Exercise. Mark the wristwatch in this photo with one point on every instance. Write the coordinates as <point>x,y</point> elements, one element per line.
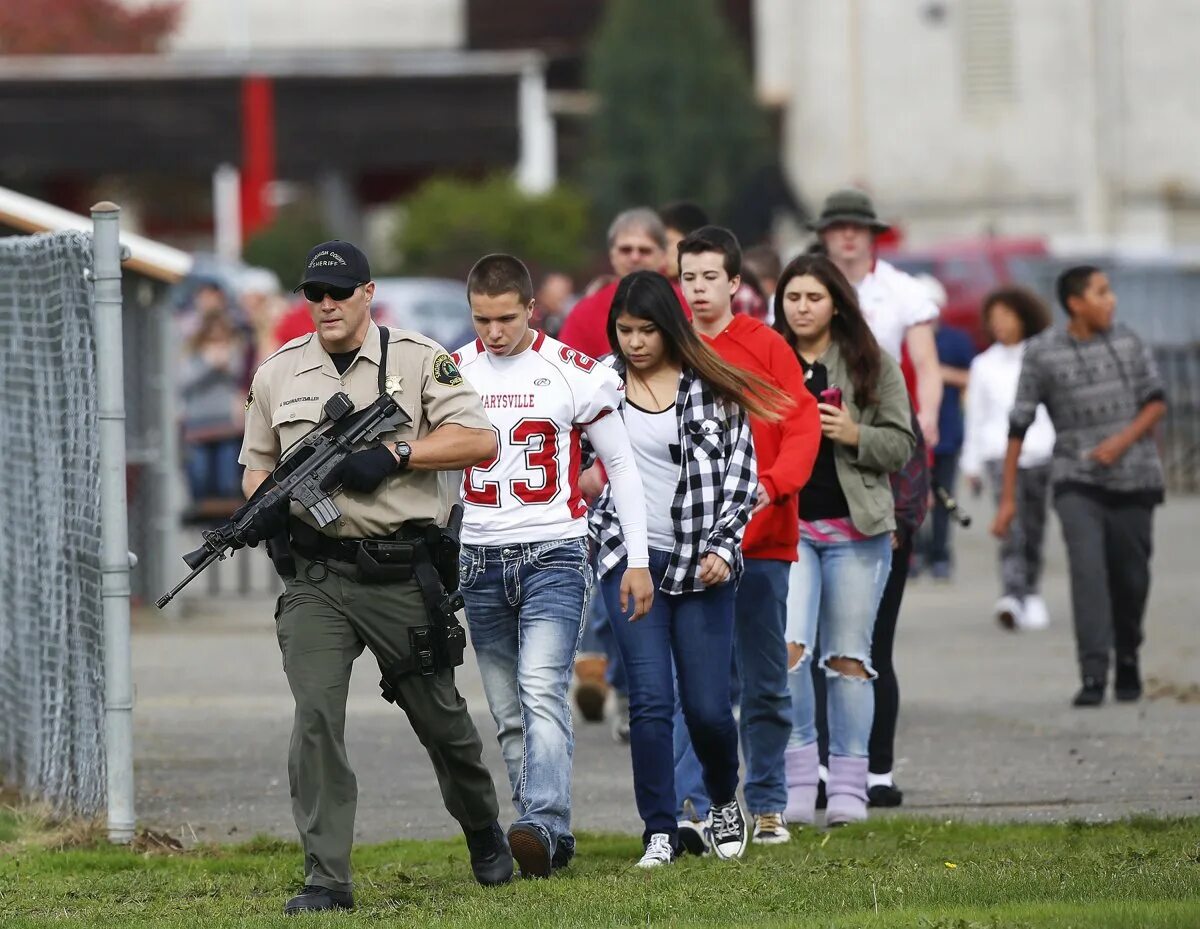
<point>403,452</point>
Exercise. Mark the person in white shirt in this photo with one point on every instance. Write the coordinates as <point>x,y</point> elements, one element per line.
<point>1013,315</point>
<point>898,308</point>
<point>524,570</point>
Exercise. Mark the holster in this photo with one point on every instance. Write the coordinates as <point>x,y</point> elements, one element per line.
<point>279,550</point>
<point>385,562</point>
<point>441,645</point>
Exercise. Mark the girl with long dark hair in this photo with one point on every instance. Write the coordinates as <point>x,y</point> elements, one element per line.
<point>847,518</point>
<point>685,410</point>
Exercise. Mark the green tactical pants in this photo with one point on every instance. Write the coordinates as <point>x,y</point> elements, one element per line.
<point>323,624</point>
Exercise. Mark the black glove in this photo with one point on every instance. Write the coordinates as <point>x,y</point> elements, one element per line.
<point>267,522</point>
<point>362,471</point>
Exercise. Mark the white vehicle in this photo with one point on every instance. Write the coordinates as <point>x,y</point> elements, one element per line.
<point>433,306</point>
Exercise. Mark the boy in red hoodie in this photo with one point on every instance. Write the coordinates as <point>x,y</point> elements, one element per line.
<point>710,263</point>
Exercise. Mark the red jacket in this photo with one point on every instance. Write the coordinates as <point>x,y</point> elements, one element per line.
<point>586,328</point>
<point>786,449</point>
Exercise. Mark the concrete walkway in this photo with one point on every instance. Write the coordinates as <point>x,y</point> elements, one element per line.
<point>986,731</point>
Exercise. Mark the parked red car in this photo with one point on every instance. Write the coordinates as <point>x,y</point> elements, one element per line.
<point>969,269</point>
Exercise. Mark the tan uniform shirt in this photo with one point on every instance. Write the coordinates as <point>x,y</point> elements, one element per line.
<point>288,395</point>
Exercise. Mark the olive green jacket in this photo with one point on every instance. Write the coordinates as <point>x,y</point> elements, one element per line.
<point>885,443</point>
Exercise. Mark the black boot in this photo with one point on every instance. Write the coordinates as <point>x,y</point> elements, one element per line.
<point>1128,684</point>
<point>312,899</point>
<point>1091,693</point>
<point>491,861</point>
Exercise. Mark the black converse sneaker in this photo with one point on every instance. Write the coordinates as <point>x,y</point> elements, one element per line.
<point>727,829</point>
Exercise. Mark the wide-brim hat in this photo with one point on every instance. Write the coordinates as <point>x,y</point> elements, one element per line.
<point>848,206</point>
<point>337,263</point>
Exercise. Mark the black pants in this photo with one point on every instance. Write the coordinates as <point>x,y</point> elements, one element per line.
<point>944,476</point>
<point>882,745</point>
<point>1108,553</point>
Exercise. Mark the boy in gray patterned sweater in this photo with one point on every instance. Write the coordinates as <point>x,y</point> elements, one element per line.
<point>1102,390</point>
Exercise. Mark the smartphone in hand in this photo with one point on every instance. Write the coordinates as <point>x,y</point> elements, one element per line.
<point>832,396</point>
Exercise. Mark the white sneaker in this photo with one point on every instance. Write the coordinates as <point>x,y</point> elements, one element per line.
<point>1036,616</point>
<point>620,723</point>
<point>1009,613</point>
<point>693,836</point>
<point>770,829</point>
<point>658,851</point>
<point>727,830</point>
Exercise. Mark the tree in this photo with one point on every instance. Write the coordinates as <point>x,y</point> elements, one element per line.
<point>282,244</point>
<point>676,117</point>
<point>84,27</point>
<point>448,224</point>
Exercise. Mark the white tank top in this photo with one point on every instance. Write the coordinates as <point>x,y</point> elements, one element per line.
<point>655,441</point>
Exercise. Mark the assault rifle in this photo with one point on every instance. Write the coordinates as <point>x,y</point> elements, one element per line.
<point>299,478</point>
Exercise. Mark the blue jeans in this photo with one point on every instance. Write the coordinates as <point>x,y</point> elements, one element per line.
<point>213,469</point>
<point>686,637</point>
<point>833,599</point>
<point>760,657</point>
<point>525,609</point>
<point>598,639</point>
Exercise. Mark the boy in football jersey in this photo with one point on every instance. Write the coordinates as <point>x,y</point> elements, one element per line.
<point>524,568</point>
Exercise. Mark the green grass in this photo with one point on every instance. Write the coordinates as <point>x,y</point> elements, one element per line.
<point>888,873</point>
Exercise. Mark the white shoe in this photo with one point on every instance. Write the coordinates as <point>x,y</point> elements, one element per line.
<point>1036,616</point>
<point>620,723</point>
<point>770,829</point>
<point>658,851</point>
<point>1009,613</point>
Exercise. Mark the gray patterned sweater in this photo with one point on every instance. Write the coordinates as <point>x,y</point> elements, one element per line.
<point>1092,390</point>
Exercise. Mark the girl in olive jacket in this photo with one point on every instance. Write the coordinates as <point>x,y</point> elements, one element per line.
<point>847,517</point>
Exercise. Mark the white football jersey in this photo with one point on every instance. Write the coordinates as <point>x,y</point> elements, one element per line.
<point>538,402</point>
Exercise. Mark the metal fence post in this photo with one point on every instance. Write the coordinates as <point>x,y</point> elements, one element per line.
<point>114,564</point>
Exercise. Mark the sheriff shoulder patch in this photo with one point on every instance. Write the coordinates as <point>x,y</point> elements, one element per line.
<point>249,398</point>
<point>445,371</point>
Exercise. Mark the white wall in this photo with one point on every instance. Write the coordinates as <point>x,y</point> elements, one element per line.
<point>333,25</point>
<point>1101,125</point>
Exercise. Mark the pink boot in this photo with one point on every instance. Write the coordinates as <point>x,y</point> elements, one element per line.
<point>846,790</point>
<point>800,769</point>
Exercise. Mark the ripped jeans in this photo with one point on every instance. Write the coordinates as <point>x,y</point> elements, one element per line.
<point>833,597</point>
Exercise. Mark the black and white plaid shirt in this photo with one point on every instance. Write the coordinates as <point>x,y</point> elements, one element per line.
<point>717,482</point>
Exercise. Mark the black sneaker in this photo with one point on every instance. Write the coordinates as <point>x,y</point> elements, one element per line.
<point>1128,684</point>
<point>1090,694</point>
<point>693,837</point>
<point>727,830</point>
<point>564,854</point>
<point>884,795</point>
<point>312,899</point>
<point>491,861</point>
<point>531,848</point>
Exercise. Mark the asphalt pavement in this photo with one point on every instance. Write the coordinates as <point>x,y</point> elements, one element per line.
<point>986,730</point>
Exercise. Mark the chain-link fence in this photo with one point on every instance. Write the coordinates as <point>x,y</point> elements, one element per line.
<point>51,623</point>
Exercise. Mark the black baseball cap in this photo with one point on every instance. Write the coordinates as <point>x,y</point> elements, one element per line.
<point>337,263</point>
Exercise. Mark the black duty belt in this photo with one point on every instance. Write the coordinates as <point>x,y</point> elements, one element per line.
<point>311,543</point>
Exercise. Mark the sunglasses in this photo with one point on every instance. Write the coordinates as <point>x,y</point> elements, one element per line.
<point>315,293</point>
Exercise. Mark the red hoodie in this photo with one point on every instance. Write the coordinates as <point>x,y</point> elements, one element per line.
<point>786,449</point>
<point>586,327</point>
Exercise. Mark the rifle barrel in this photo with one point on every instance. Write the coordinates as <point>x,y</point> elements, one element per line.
<point>170,595</point>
